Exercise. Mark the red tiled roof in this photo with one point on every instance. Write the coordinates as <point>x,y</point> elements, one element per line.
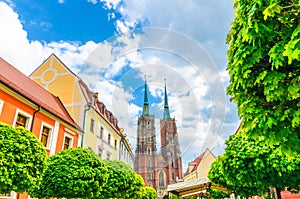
<point>195,163</point>
<point>88,94</point>
<point>22,84</point>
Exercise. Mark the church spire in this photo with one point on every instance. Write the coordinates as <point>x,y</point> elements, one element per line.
<point>166,106</point>
<point>146,104</point>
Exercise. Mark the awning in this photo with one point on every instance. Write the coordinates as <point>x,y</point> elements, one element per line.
<point>192,187</point>
<point>188,187</point>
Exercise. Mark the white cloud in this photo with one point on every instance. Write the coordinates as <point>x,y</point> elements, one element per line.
<point>196,87</point>
<point>205,21</point>
<point>109,4</point>
<point>27,55</point>
<point>192,60</point>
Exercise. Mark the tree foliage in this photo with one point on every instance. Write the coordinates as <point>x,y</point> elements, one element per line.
<point>73,173</point>
<point>120,181</point>
<point>148,193</point>
<point>250,166</point>
<point>264,68</point>
<point>135,189</point>
<point>217,176</point>
<point>22,159</point>
<point>217,194</point>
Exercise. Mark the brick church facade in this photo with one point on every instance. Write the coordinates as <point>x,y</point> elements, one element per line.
<point>158,168</point>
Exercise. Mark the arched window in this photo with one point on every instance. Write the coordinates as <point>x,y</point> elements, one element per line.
<point>161,178</point>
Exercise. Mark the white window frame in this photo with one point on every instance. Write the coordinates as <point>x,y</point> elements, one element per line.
<point>49,141</point>
<point>1,105</point>
<point>19,111</point>
<point>72,140</point>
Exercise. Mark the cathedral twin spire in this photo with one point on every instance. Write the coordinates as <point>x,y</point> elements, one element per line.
<point>166,106</point>
<point>146,103</point>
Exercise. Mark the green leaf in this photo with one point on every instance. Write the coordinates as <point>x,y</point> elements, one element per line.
<point>271,10</point>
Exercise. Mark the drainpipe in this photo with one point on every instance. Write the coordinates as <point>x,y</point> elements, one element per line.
<point>33,117</point>
<point>89,104</point>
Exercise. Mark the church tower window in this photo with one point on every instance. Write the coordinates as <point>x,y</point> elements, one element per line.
<point>161,179</point>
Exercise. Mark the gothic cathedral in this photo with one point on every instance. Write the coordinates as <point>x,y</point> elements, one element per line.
<point>163,167</point>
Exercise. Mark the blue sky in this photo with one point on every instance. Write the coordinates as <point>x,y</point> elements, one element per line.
<point>112,44</point>
<point>69,21</point>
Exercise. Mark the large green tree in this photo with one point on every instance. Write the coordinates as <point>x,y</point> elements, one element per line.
<point>250,167</point>
<point>73,173</point>
<point>264,69</point>
<point>22,159</point>
<point>120,181</point>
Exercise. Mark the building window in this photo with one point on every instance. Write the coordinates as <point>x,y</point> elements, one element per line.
<point>46,136</point>
<point>115,144</point>
<point>108,155</point>
<point>108,141</point>
<point>149,151</point>
<point>22,119</point>
<point>149,176</point>
<point>149,138</point>
<point>101,133</point>
<point>149,163</point>
<point>68,142</point>
<point>173,176</point>
<point>148,125</point>
<point>92,125</point>
<point>161,179</point>
<point>100,152</point>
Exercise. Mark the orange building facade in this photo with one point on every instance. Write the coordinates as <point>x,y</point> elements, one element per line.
<point>24,103</point>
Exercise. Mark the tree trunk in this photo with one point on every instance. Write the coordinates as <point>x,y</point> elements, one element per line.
<point>278,192</point>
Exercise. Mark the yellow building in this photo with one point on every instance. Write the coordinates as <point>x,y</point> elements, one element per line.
<point>101,131</point>
<point>195,181</point>
<point>200,166</point>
